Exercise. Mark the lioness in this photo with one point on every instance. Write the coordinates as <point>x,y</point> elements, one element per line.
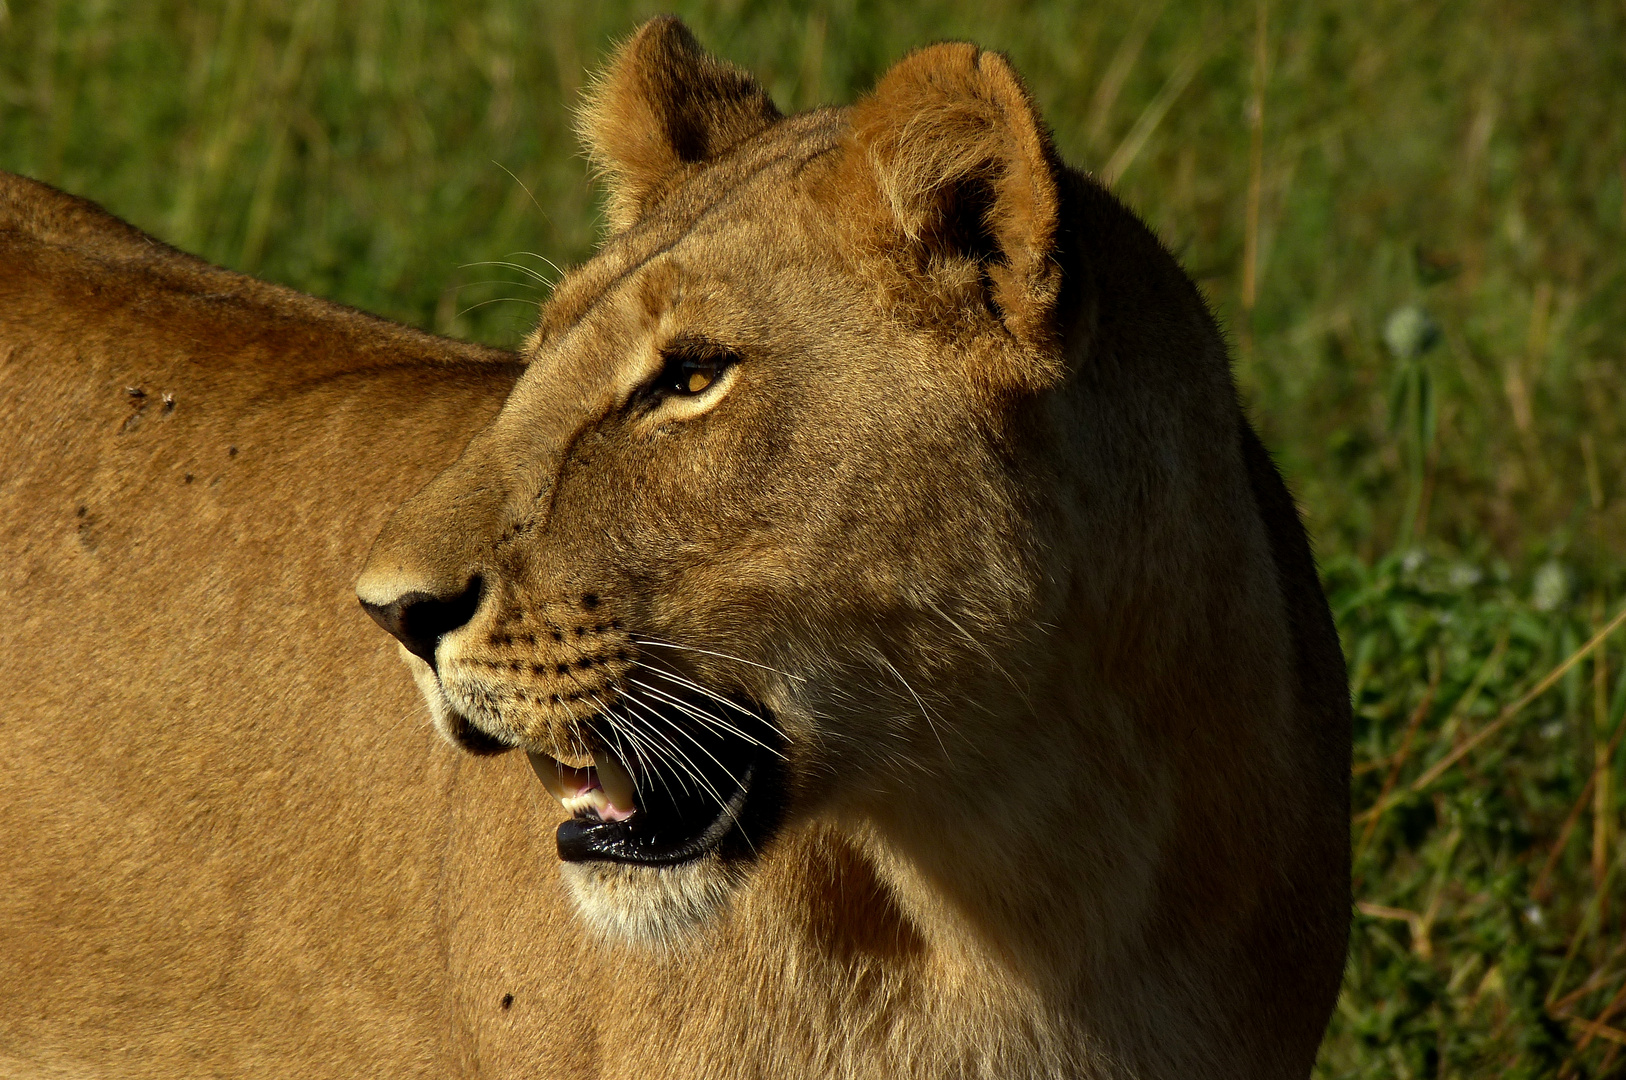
<point>872,561</point>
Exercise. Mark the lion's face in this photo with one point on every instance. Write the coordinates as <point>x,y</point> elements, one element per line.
<point>750,521</point>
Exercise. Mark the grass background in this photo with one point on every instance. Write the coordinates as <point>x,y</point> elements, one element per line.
<point>1411,217</point>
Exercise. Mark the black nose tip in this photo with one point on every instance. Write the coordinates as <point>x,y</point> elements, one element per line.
<point>420,620</point>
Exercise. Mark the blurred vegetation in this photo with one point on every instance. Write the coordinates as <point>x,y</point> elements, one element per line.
<point>1410,216</point>
<point>1488,939</point>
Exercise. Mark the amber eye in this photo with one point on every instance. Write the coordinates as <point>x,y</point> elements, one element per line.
<point>691,367</point>
<point>697,377</point>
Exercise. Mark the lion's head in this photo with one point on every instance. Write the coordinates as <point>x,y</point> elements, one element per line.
<point>764,495</point>
<point>881,471</point>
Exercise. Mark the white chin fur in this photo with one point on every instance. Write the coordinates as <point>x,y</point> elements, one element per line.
<point>645,905</point>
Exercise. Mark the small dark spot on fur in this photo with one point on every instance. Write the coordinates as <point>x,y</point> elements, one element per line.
<point>558,635</point>
<point>508,1001</point>
<point>557,700</point>
<point>589,601</point>
<point>584,663</point>
<point>83,510</point>
<point>580,630</point>
<point>187,479</point>
<point>138,402</point>
<point>562,669</point>
<point>231,451</point>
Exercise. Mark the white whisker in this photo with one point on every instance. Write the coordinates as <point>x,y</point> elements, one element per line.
<point>985,651</point>
<point>711,720</point>
<point>696,773</point>
<point>497,300</point>
<point>521,267</point>
<point>540,258</point>
<point>647,749</point>
<point>708,652</point>
<point>923,710</point>
<point>690,684</point>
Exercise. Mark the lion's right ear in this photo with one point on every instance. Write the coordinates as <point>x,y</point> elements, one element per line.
<point>661,105</point>
<point>966,174</point>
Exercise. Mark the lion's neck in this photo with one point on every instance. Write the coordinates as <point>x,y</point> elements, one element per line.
<point>862,971</point>
<point>1028,929</point>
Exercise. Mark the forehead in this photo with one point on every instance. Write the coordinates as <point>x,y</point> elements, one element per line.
<point>760,188</point>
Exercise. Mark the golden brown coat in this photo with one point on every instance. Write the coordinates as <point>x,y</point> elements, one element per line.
<point>1066,732</point>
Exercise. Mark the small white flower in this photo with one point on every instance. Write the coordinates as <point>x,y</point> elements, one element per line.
<point>1464,576</point>
<point>1410,332</point>
<point>1551,586</point>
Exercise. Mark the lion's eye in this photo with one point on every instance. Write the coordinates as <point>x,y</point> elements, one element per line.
<point>697,378</point>
<point>691,368</point>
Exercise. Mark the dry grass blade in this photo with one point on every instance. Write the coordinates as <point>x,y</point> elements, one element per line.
<point>1593,1028</point>
<point>1376,811</point>
<point>1609,1011</point>
<point>1256,160</point>
<point>1514,709</point>
<point>1123,62</point>
<point>1416,921</point>
<point>1460,709</point>
<point>1150,118</point>
<point>1540,889</point>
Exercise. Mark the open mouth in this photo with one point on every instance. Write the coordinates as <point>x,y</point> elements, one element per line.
<point>668,783</point>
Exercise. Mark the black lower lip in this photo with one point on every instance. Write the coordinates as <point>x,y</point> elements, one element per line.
<point>632,841</point>
<point>668,835</point>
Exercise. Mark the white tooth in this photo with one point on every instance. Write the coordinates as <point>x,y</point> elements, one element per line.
<point>552,775</point>
<point>614,778</point>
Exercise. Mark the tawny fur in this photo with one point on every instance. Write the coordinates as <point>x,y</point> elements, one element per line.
<point>1067,728</point>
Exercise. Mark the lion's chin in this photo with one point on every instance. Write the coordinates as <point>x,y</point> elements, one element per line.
<point>659,906</point>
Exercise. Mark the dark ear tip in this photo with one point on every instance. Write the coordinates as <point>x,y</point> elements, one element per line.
<point>663,102</point>
<point>669,33</point>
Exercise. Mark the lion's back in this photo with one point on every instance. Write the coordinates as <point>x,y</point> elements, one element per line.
<point>218,798</point>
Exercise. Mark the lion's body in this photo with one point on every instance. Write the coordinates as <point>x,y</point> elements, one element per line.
<point>232,845</point>
<point>206,866</point>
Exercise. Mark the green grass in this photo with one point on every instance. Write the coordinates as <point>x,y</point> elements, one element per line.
<point>1317,171</point>
<point>1496,845</point>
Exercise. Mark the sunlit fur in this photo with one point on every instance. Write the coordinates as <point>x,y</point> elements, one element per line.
<point>977,522</point>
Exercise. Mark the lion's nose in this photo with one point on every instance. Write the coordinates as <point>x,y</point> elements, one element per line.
<point>419,619</point>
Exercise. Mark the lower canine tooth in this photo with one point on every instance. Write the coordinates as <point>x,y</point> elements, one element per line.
<point>616,781</point>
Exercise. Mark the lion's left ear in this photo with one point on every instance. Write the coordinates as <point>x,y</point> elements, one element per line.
<point>664,103</point>
<point>966,171</point>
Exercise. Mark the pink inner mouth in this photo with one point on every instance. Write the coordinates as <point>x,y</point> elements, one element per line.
<point>580,790</point>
